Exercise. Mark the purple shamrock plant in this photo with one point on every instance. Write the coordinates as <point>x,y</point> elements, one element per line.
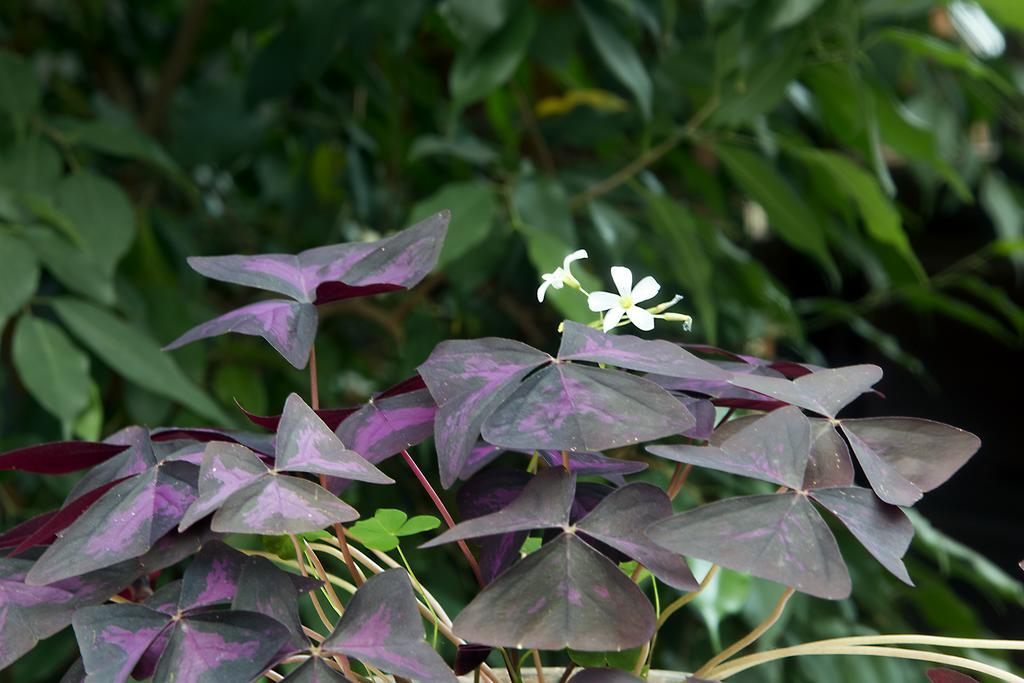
<point>195,554</point>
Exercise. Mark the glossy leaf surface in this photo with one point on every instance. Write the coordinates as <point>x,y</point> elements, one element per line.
<point>825,392</point>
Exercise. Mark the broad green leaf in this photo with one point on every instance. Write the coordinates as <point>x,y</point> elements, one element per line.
<point>102,215</point>
<point>31,165</point>
<point>474,20</point>
<point>468,148</point>
<point>19,89</point>
<point>790,12</point>
<point>996,298</point>
<point>790,216</point>
<point>121,139</point>
<point>947,55</point>
<point>880,216</point>
<point>619,55</point>
<point>135,356</point>
<point>53,369</point>
<point>418,525</point>
<point>929,300</point>
<point>390,518</point>
<point>473,206</point>
<point>89,424</point>
<point>19,275</point>
<point>748,95</point>
<point>1009,13</point>
<point>544,204</point>
<point>477,72</point>
<point>71,266</point>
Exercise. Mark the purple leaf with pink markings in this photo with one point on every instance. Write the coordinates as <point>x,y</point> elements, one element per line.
<point>212,577</point>
<point>883,529</point>
<point>619,520</point>
<point>564,595</point>
<point>574,407</point>
<point>905,457</point>
<point>60,457</point>
<point>123,524</point>
<point>306,444</point>
<point>381,626</point>
<point>581,342</point>
<point>135,459</point>
<point>486,493</point>
<point>113,638</point>
<point>227,469</point>
<point>264,588</point>
<point>825,392</point>
<point>774,447</point>
<point>288,326</point>
<point>779,537</point>
<point>468,380</point>
<point>387,426</point>
<point>219,646</point>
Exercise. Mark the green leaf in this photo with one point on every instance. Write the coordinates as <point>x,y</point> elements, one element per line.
<point>790,217</point>
<point>135,356</point>
<point>931,300</point>
<point>473,205</point>
<point>372,533</point>
<point>102,215</point>
<point>791,12</point>
<point>724,596</point>
<point>998,299</point>
<point>89,423</point>
<point>19,275</point>
<point>52,368</point>
<point>121,139</point>
<point>390,518</point>
<point>478,71</point>
<point>19,90</point>
<point>418,525</point>
<point>473,20</point>
<point>947,55</point>
<point>468,148</point>
<point>1009,13</point>
<point>71,266</point>
<point>382,531</point>
<point>31,165</point>
<point>880,216</point>
<point>619,55</point>
<point>241,383</point>
<point>749,95</point>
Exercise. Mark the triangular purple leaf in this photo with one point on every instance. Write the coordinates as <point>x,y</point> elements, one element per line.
<point>60,457</point>
<point>227,469</point>
<point>264,588</point>
<point>315,670</point>
<point>825,392</point>
<point>138,458</point>
<point>28,614</point>
<point>581,342</point>
<point>779,537</point>
<point>278,504</point>
<point>883,529</point>
<point>113,638</point>
<point>123,524</point>
<point>212,577</point>
<point>774,447</point>
<point>830,463</point>
<point>484,494</point>
<point>381,626</point>
<point>306,444</point>
<point>564,595</point>
<point>703,412</point>
<point>620,519</point>
<point>468,380</point>
<point>905,457</point>
<point>575,407</point>
<point>385,426</point>
<point>543,504</point>
<point>288,326</point>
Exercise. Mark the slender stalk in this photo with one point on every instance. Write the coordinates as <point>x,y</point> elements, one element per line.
<point>314,389</point>
<point>568,672</point>
<point>678,479</point>
<point>439,504</point>
<point>328,589</point>
<point>743,663</point>
<point>684,600</point>
<point>565,461</point>
<point>328,624</point>
<point>538,666</point>
<point>749,638</point>
<point>913,639</point>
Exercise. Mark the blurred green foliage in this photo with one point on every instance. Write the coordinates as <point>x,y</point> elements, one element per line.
<point>778,162</point>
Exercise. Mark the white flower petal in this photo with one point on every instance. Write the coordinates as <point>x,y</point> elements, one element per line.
<point>641,317</point>
<point>623,278</point>
<point>574,256</point>
<point>647,288</point>
<point>612,317</point>
<point>602,301</point>
<point>542,289</point>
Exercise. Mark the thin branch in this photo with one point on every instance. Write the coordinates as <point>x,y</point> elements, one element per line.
<point>684,600</point>
<point>647,158</point>
<point>678,479</point>
<point>746,640</point>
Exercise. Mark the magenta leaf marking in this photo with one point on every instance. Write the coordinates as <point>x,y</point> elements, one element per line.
<point>113,638</point>
<point>575,407</point>
<point>306,444</point>
<point>382,627</point>
<point>468,380</point>
<point>779,537</point>
<point>212,577</point>
<point>386,426</point>
<point>227,469</point>
<point>288,326</point>
<point>564,595</point>
<point>581,342</point>
<point>277,504</point>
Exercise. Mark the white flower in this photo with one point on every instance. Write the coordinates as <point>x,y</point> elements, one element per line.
<point>561,276</point>
<point>625,302</point>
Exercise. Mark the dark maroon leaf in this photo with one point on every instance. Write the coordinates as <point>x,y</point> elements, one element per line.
<point>580,342</point>
<point>382,627</point>
<point>564,595</point>
<point>544,503</point>
<point>288,326</point>
<point>905,457</point>
<point>774,447</point>
<point>948,676</point>
<point>386,426</point>
<point>469,656</point>
<point>583,464</point>
<point>261,443</point>
<point>788,368</point>
<point>55,522</point>
<point>315,670</point>
<point>489,492</point>
<point>332,417</point>
<point>468,380</point>
<point>825,392</point>
<point>575,407</point>
<point>883,529</point>
<point>123,524</point>
<point>723,392</point>
<point>620,519</point>
<point>60,457</point>
<point>605,676</point>
<point>779,537</point>
<point>306,444</point>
